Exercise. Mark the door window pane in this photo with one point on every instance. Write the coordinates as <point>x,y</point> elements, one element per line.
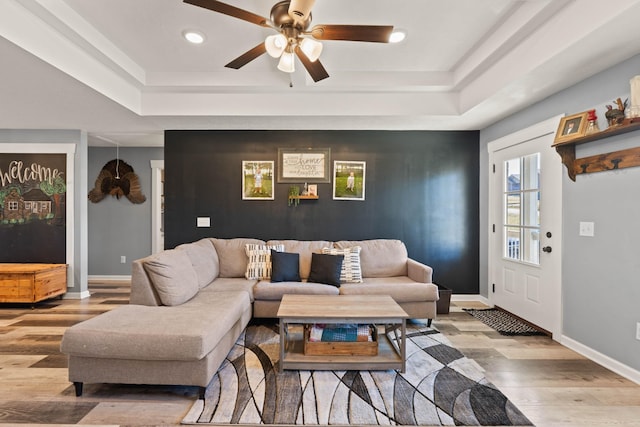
<point>522,209</point>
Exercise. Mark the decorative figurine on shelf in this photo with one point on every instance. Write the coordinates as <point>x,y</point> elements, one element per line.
<point>592,126</point>
<point>615,116</point>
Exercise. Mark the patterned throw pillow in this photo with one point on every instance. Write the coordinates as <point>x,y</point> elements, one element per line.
<point>351,271</point>
<point>259,263</point>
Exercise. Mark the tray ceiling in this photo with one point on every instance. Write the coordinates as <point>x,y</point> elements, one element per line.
<point>121,70</point>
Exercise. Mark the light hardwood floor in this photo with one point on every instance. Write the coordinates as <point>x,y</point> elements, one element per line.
<point>550,384</point>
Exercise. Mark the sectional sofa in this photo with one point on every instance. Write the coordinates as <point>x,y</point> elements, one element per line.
<point>189,305</point>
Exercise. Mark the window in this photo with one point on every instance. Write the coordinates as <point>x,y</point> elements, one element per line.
<point>13,206</point>
<point>522,209</point>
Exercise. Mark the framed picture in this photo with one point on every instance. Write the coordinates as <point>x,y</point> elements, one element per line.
<point>348,180</point>
<point>312,190</point>
<point>257,180</point>
<point>571,127</point>
<point>304,165</point>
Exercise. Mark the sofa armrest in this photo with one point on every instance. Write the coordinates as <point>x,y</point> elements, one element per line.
<point>419,272</point>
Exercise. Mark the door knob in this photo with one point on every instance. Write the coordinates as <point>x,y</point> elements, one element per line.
<point>547,249</point>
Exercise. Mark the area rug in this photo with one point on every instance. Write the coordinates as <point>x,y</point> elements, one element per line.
<point>503,322</point>
<point>440,387</point>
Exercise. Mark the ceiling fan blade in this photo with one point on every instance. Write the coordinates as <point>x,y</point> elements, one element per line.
<point>247,57</point>
<point>358,33</point>
<point>236,12</point>
<point>315,68</point>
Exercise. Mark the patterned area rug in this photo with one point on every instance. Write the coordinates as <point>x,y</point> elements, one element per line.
<point>503,322</point>
<point>440,387</point>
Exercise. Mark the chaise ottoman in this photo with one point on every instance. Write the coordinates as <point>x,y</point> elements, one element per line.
<point>170,345</point>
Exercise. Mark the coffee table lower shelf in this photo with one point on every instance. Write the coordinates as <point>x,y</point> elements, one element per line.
<point>294,358</point>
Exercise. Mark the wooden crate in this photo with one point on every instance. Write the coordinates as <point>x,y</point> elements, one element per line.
<point>32,283</point>
<point>338,348</point>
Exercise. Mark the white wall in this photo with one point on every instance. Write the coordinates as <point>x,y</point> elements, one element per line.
<point>601,287</point>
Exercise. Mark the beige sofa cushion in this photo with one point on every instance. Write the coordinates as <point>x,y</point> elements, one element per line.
<point>269,291</point>
<point>305,248</point>
<point>380,257</point>
<point>139,332</point>
<point>401,288</point>
<point>173,276</point>
<point>230,284</point>
<point>204,260</point>
<point>233,256</point>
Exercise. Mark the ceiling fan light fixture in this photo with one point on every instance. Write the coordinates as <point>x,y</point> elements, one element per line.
<point>287,62</point>
<point>311,48</point>
<point>275,45</point>
<point>192,36</point>
<point>397,36</point>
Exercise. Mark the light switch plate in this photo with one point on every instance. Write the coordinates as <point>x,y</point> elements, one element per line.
<point>203,221</point>
<point>586,229</point>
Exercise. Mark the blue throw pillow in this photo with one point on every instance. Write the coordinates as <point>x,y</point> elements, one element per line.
<point>285,266</point>
<point>326,269</point>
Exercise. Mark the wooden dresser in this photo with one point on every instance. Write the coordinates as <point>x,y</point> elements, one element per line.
<point>31,283</point>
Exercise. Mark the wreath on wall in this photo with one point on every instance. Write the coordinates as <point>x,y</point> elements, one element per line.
<point>117,179</point>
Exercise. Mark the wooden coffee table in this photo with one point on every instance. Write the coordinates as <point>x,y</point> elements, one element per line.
<point>296,310</point>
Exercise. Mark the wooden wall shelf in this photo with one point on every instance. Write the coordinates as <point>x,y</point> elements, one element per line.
<point>304,197</point>
<point>296,199</point>
<point>601,162</point>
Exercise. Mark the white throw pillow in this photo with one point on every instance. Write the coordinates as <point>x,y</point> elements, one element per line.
<point>259,263</point>
<point>351,271</point>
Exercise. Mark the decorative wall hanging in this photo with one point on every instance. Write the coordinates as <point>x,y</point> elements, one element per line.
<point>348,180</point>
<point>304,165</point>
<point>117,179</point>
<point>257,180</point>
<point>33,199</point>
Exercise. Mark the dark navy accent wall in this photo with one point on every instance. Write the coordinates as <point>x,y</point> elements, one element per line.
<point>421,188</point>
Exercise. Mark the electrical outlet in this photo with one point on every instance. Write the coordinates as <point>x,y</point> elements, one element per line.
<point>586,229</point>
<point>638,331</point>
<point>123,259</point>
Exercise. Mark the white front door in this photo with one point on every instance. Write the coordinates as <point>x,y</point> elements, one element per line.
<point>525,239</point>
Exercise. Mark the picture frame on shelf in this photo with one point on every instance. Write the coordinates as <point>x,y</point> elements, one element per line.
<point>258,179</point>
<point>304,165</point>
<point>349,180</point>
<point>572,127</point>
<point>312,190</point>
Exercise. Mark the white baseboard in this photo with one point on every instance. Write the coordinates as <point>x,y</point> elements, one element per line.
<point>470,297</point>
<point>97,278</point>
<point>77,295</point>
<point>601,359</point>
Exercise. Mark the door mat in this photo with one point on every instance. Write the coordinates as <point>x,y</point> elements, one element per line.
<point>440,387</point>
<point>503,322</point>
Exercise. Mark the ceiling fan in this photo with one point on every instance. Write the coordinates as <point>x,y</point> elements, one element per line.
<point>291,19</point>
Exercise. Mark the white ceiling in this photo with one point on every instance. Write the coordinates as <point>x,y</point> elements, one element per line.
<point>121,70</point>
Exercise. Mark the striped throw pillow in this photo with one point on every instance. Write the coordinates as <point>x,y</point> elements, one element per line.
<point>351,271</point>
<point>259,262</point>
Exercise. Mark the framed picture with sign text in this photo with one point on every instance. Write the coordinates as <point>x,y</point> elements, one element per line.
<point>304,165</point>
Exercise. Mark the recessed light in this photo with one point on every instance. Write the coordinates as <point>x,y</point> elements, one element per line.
<point>397,36</point>
<point>195,37</point>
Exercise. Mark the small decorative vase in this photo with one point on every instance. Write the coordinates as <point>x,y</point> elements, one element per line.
<point>294,192</point>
